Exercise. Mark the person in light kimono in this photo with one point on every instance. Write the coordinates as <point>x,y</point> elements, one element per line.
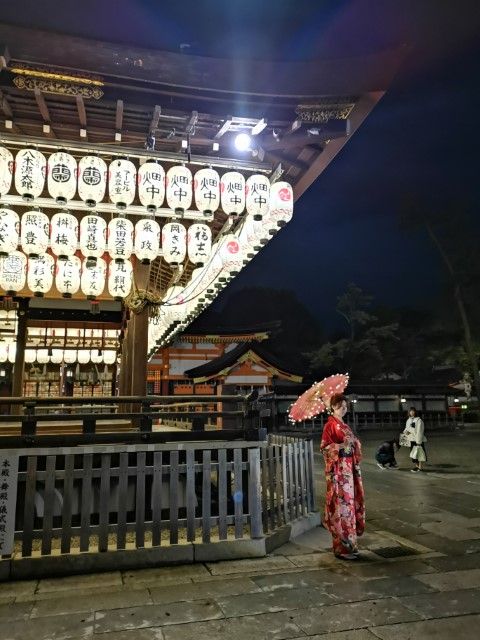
<point>415,433</point>
<point>344,512</point>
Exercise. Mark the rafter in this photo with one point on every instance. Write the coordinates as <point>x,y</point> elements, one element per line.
<point>82,116</point>
<point>155,118</point>
<point>224,128</point>
<point>42,106</point>
<point>118,121</point>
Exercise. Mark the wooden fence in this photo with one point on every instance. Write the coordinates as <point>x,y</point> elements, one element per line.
<point>126,497</point>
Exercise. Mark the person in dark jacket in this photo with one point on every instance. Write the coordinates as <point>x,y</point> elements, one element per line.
<point>385,455</point>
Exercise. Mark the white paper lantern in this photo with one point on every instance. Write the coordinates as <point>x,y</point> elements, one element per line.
<point>42,356</point>
<point>179,189</point>
<point>173,303</point>
<point>199,243</point>
<point>70,356</point>
<point>120,279</point>
<point>64,235</point>
<point>93,278</point>
<point>257,198</point>
<point>30,170</point>
<point>147,240</point>
<point>151,185</point>
<point>92,179</point>
<point>9,228</point>
<point>93,237</point>
<point>12,352</point>
<point>83,356</point>
<point>232,189</point>
<point>30,356</point>
<point>3,351</point>
<point>67,277</point>
<point>57,356</point>
<point>109,357</point>
<point>174,243</point>
<point>231,253</point>
<point>62,176</point>
<point>13,272</point>
<point>122,176</point>
<point>6,170</point>
<point>206,186</point>
<point>34,232</point>
<point>96,356</point>
<point>281,203</point>
<point>40,272</point>
<point>120,238</point>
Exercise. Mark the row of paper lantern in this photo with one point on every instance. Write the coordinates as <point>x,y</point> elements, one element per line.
<point>92,175</point>
<point>39,272</point>
<point>229,254</point>
<point>63,234</point>
<point>58,356</point>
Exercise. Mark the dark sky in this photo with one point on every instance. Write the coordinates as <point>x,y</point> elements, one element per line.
<point>421,139</point>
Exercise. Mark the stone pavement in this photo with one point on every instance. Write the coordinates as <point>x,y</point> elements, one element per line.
<point>419,575</point>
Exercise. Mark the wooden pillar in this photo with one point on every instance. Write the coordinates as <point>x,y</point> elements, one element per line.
<point>17,384</point>
<point>140,353</point>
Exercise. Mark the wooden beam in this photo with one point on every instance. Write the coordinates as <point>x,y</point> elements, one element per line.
<point>42,106</point>
<point>259,127</point>
<point>224,128</point>
<point>155,118</point>
<point>119,118</point>
<point>82,116</point>
<point>7,110</point>
<point>192,122</point>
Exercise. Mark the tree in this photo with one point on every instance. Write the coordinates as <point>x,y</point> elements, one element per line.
<point>450,232</point>
<point>361,350</point>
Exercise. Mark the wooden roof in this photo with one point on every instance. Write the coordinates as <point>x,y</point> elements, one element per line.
<point>57,90</point>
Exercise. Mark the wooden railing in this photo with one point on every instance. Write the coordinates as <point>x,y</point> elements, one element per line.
<point>108,498</point>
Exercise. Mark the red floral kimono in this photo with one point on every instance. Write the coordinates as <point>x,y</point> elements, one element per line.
<point>344,514</point>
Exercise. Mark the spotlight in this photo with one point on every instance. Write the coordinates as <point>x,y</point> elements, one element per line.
<point>242,141</point>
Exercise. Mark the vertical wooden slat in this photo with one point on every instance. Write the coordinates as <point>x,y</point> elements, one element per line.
<point>311,473</point>
<point>264,453</point>
<point>67,504</point>
<point>104,502</point>
<point>191,495</point>
<point>308,479</point>
<point>290,481</point>
<point>222,493</point>
<point>29,508</point>
<point>296,462</point>
<point>174,489</point>
<point>279,484</point>
<point>122,501</point>
<point>140,501</point>
<point>238,492</point>
<point>254,500</point>
<point>86,502</point>
<point>206,494</point>
<point>157,500</point>
<point>271,486</point>
<point>285,483</point>
<point>48,505</point>
<point>303,487</point>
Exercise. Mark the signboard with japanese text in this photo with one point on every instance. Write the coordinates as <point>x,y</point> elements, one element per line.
<point>8,501</point>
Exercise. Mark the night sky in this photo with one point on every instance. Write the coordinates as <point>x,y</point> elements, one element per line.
<point>422,140</point>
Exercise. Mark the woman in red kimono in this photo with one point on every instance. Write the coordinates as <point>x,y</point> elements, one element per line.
<point>344,514</point>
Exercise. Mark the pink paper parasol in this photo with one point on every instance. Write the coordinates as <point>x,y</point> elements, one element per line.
<point>316,399</point>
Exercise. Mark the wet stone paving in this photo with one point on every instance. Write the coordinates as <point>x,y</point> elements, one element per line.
<point>418,575</point>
